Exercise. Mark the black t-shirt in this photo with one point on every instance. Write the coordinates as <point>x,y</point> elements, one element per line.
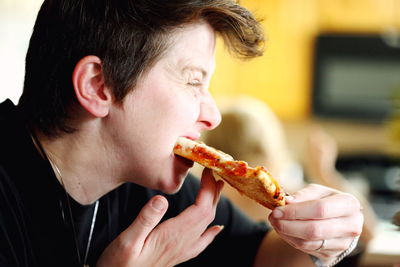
<point>35,223</point>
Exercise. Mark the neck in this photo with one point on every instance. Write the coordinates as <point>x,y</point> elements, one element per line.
<point>82,164</point>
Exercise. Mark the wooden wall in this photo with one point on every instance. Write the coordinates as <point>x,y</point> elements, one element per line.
<point>282,77</point>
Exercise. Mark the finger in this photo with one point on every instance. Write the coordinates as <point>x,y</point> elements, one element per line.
<point>198,216</point>
<point>208,189</point>
<point>315,230</point>
<point>146,221</point>
<point>310,192</point>
<point>220,186</point>
<point>311,246</point>
<point>208,236</point>
<point>332,206</point>
<point>201,243</point>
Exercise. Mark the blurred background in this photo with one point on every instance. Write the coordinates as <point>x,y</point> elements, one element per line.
<point>330,63</point>
<point>334,64</point>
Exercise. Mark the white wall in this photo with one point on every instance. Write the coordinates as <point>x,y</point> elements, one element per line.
<point>17,18</point>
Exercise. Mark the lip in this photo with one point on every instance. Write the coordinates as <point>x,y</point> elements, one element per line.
<point>193,137</point>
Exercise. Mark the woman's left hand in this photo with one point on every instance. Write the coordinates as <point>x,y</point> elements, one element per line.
<point>319,221</point>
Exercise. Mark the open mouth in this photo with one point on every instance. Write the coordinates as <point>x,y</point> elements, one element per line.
<point>187,162</point>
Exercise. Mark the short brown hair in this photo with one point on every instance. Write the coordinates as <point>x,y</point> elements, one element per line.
<point>127,35</point>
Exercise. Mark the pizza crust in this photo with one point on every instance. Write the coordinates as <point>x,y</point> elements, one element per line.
<point>255,183</point>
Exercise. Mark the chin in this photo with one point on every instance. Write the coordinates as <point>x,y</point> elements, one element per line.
<point>175,185</point>
<point>177,173</point>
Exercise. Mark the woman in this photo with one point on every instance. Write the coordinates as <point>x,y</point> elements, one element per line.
<point>88,176</point>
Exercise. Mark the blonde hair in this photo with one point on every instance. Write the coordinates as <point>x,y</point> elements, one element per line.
<point>250,131</point>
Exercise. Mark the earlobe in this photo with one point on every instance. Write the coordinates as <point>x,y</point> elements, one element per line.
<point>90,89</point>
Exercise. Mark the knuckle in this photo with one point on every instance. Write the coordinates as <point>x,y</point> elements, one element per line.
<point>357,231</point>
<point>206,213</point>
<point>355,203</point>
<point>314,231</point>
<point>290,212</point>
<point>352,202</point>
<point>303,244</point>
<point>320,210</point>
<point>145,220</point>
<point>357,228</point>
<point>171,244</point>
<point>280,226</point>
<point>169,241</point>
<point>125,247</point>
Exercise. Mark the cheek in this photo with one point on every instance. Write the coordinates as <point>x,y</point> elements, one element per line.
<point>160,114</point>
<point>179,111</point>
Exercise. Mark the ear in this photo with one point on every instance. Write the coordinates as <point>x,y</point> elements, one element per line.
<point>89,86</point>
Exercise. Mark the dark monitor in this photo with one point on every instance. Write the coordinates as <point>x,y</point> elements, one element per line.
<point>355,76</point>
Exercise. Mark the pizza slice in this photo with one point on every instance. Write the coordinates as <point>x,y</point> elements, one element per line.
<point>255,183</point>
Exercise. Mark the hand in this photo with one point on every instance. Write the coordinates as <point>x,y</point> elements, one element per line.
<point>318,213</point>
<point>144,243</point>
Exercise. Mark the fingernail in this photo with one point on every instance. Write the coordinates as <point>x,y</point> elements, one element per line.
<point>221,227</point>
<point>277,213</point>
<point>157,204</point>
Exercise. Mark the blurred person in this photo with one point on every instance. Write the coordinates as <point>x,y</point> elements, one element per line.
<point>87,171</point>
<point>252,132</point>
<point>320,162</point>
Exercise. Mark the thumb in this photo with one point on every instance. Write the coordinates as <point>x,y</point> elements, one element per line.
<point>148,218</point>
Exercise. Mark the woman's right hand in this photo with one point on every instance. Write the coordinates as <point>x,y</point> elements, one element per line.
<point>147,243</point>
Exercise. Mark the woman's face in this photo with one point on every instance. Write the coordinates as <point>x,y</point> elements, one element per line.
<point>170,101</point>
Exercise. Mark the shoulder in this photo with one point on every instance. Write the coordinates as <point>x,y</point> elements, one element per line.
<point>8,191</point>
<point>10,219</point>
<point>10,199</point>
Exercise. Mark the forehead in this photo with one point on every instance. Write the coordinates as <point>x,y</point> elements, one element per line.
<point>193,45</point>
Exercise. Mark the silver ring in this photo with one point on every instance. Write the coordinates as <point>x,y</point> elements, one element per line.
<point>322,245</point>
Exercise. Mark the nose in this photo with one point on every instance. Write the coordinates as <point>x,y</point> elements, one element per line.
<point>210,116</point>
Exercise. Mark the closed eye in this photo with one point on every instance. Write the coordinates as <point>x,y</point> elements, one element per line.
<point>195,83</point>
